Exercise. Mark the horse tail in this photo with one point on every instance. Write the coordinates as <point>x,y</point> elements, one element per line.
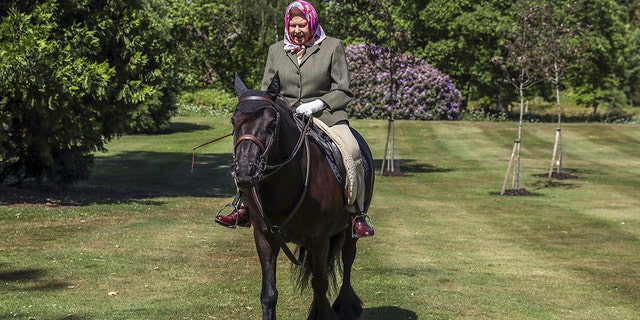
<point>333,265</point>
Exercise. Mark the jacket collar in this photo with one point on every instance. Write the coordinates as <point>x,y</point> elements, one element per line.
<point>310,51</point>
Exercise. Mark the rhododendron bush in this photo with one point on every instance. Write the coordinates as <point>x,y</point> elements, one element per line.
<point>421,91</point>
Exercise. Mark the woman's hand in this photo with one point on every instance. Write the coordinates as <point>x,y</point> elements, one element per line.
<point>306,109</point>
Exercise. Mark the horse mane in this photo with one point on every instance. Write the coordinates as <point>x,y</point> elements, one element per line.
<point>249,109</point>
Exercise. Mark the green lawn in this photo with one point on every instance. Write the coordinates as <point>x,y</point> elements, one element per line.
<point>137,241</point>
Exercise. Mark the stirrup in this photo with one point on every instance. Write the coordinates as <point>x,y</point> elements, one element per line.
<point>235,204</point>
<point>235,208</point>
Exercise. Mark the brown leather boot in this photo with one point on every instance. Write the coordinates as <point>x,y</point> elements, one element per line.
<point>238,217</point>
<point>361,228</point>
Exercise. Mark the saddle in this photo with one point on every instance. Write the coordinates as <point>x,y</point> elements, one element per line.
<point>329,148</point>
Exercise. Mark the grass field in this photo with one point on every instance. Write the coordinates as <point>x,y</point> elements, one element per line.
<point>137,241</point>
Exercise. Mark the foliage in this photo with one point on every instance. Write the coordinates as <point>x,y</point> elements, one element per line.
<point>633,72</point>
<point>74,74</point>
<point>423,92</point>
<point>600,82</point>
<point>564,42</point>
<point>218,38</point>
<point>522,63</point>
<point>204,41</point>
<point>460,38</point>
<point>386,23</point>
<point>482,115</point>
<point>524,49</point>
<point>206,102</point>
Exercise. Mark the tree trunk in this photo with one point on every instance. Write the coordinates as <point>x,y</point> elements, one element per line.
<point>557,147</point>
<point>516,176</point>
<point>388,160</point>
<point>515,153</point>
<point>389,149</point>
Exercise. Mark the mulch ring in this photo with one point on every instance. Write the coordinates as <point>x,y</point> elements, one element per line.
<point>518,192</point>
<point>558,175</point>
<point>396,173</point>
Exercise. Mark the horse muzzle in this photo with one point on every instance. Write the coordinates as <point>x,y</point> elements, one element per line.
<point>247,174</point>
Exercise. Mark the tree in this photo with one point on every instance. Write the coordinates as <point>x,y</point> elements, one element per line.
<point>523,57</point>
<point>565,46</point>
<point>218,38</point>
<point>204,38</point>
<point>385,24</point>
<point>73,75</point>
<point>633,71</point>
<point>601,80</point>
<point>460,38</point>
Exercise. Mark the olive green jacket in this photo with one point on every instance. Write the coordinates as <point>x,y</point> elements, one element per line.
<point>322,74</point>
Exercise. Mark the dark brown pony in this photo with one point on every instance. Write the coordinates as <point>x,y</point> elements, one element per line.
<point>292,196</point>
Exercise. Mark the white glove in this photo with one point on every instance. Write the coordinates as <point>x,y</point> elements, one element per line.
<point>306,109</point>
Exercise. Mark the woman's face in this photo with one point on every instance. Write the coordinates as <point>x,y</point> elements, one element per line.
<point>299,30</point>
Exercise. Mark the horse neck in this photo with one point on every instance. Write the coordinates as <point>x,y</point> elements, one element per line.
<point>290,175</point>
<point>287,137</point>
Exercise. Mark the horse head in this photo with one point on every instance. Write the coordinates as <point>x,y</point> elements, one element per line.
<point>256,123</point>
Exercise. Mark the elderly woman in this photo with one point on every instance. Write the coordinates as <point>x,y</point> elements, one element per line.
<point>314,78</point>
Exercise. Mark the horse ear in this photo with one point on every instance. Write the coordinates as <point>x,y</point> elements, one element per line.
<point>274,87</point>
<point>239,85</point>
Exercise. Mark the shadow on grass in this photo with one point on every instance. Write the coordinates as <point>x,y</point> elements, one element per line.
<point>134,177</point>
<point>552,184</point>
<point>73,317</point>
<point>37,280</point>
<point>578,172</point>
<point>569,174</point>
<point>22,275</point>
<point>141,176</point>
<point>166,174</point>
<point>409,166</point>
<point>185,127</point>
<point>388,313</point>
<point>568,183</point>
<point>67,317</point>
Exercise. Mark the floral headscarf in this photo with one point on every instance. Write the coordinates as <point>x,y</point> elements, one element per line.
<point>314,27</point>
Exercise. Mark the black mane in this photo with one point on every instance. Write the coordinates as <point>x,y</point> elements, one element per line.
<point>253,106</point>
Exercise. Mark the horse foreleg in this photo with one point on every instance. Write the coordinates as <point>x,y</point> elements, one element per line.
<point>320,307</point>
<point>348,305</point>
<point>268,254</point>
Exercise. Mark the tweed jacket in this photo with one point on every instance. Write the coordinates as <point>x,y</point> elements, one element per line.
<point>322,74</point>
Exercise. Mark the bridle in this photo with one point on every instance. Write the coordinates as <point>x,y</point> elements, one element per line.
<point>263,158</point>
<point>265,170</point>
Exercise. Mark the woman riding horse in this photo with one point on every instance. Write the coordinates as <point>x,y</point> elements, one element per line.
<point>314,78</point>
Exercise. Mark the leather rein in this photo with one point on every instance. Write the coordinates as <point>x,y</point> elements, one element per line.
<point>263,166</point>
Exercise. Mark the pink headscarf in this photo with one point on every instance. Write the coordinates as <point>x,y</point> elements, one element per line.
<point>314,27</point>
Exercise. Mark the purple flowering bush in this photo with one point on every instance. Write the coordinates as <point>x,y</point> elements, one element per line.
<point>421,91</point>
